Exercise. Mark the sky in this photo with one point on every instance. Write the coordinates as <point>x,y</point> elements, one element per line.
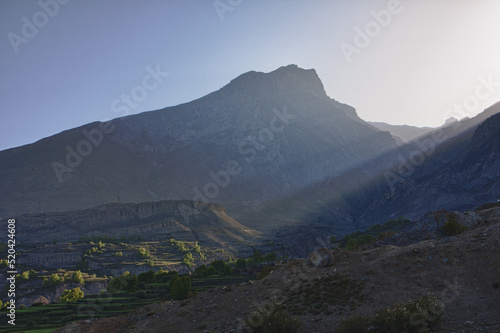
<point>67,63</point>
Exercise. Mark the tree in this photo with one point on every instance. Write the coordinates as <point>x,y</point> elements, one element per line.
<point>53,280</point>
<point>196,248</point>
<point>201,271</point>
<point>72,295</point>
<point>228,270</point>
<point>125,282</point>
<point>147,277</point>
<point>188,259</point>
<point>218,265</point>
<point>352,244</point>
<point>77,277</point>
<point>143,253</point>
<point>180,287</point>
<point>241,263</point>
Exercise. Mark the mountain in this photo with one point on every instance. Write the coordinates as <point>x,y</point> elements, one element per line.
<point>262,137</point>
<point>459,173</point>
<point>405,132</point>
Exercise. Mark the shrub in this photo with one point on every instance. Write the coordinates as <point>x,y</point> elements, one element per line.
<point>452,227</point>
<point>352,244</point>
<point>147,277</point>
<point>278,322</point>
<point>180,287</point>
<point>53,280</point>
<point>201,271</point>
<point>241,263</point>
<point>415,316</point>
<point>211,270</point>
<point>218,265</point>
<point>72,295</point>
<point>125,282</point>
<point>196,248</point>
<point>188,259</point>
<point>143,253</point>
<point>228,270</point>
<point>77,277</point>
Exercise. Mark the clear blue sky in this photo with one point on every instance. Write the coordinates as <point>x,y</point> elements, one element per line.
<point>69,72</point>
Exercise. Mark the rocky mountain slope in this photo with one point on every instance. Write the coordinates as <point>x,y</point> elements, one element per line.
<point>453,168</point>
<point>404,132</point>
<point>183,220</point>
<point>462,271</point>
<point>261,137</point>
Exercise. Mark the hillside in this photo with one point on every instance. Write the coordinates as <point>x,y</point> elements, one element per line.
<point>160,220</point>
<point>261,137</point>
<point>462,271</point>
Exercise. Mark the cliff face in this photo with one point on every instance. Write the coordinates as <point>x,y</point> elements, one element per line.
<point>183,220</point>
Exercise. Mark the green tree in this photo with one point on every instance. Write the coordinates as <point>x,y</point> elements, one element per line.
<point>228,270</point>
<point>241,263</point>
<point>53,280</point>
<point>77,277</point>
<point>180,287</point>
<point>352,244</point>
<point>147,277</point>
<point>143,253</point>
<point>188,259</point>
<point>72,295</point>
<point>196,248</point>
<point>126,281</point>
<point>201,271</point>
<point>218,265</point>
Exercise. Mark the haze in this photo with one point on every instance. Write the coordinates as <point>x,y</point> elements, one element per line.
<point>424,58</point>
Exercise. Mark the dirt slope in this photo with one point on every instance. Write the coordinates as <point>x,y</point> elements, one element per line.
<point>463,271</point>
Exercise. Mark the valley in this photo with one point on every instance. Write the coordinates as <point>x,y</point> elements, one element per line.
<point>221,200</point>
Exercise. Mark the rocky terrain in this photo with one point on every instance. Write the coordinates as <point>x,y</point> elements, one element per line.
<point>270,134</point>
<point>182,220</point>
<point>463,271</point>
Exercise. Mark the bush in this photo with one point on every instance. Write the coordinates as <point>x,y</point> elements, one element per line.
<point>125,282</point>
<point>241,263</point>
<point>218,265</point>
<point>143,253</point>
<point>77,277</point>
<point>201,271</point>
<point>53,280</point>
<point>228,270</point>
<point>415,316</point>
<point>180,287</point>
<point>352,244</point>
<point>452,227</point>
<point>147,277</point>
<point>277,322</point>
<point>211,271</point>
<point>72,295</point>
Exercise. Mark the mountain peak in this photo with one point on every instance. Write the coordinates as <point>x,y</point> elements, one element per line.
<point>289,79</point>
